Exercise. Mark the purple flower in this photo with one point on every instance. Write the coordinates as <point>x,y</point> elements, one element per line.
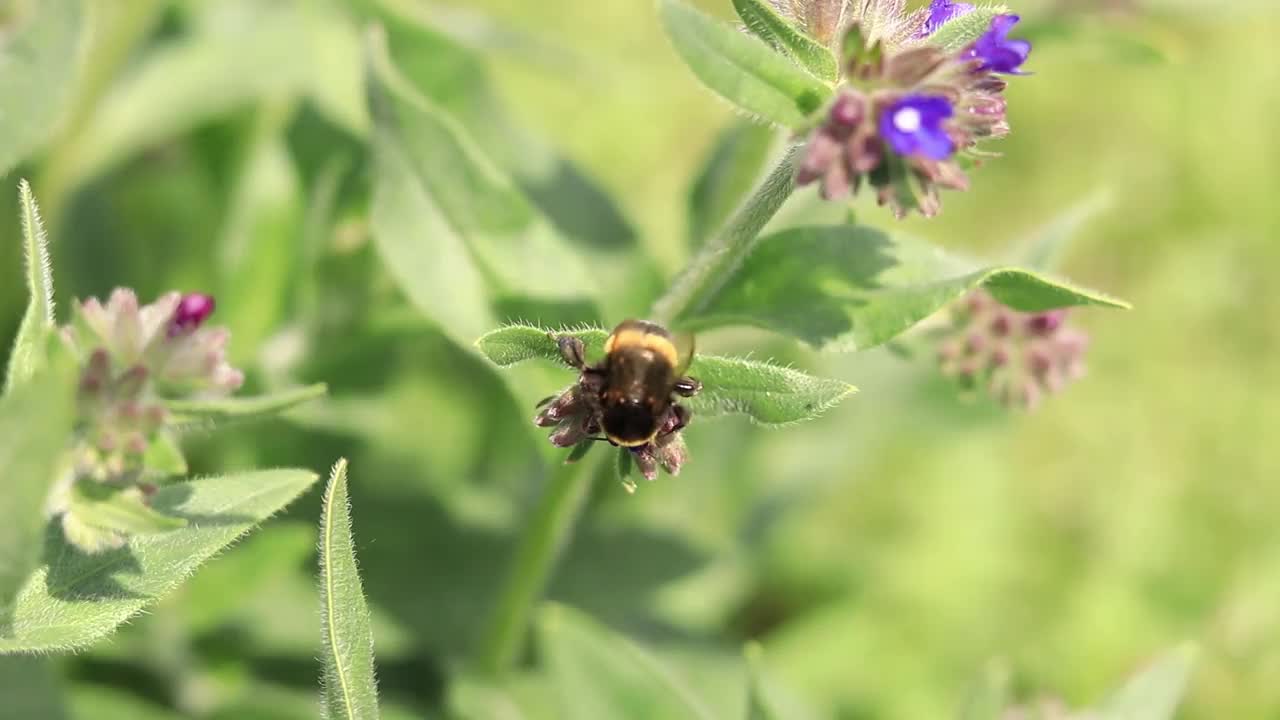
<point>914,126</point>
<point>996,51</point>
<point>192,311</point>
<point>940,13</point>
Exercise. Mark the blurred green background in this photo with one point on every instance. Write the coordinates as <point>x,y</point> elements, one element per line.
<point>883,555</point>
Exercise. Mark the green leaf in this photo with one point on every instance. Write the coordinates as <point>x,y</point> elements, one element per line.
<point>600,675</point>
<point>766,699</point>
<point>123,511</point>
<point>27,355</point>
<point>966,28</point>
<point>219,68</point>
<point>622,468</point>
<point>243,408</point>
<point>768,25</point>
<point>39,50</point>
<point>350,689</point>
<point>427,45</point>
<point>76,599</point>
<point>164,456</point>
<point>1043,250</point>
<point>1154,693</point>
<point>452,229</point>
<point>768,394</point>
<point>36,421</point>
<point>733,167</point>
<point>741,68</point>
<point>31,689</point>
<point>851,288</point>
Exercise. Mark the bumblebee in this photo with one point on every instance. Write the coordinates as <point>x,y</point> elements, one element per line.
<point>633,389</point>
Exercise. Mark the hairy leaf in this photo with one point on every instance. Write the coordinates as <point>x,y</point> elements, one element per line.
<point>766,393</point>
<point>733,167</point>
<point>244,408</point>
<point>454,231</point>
<point>851,288</point>
<point>28,350</point>
<point>350,689</point>
<point>76,598</point>
<point>741,68</point>
<point>35,431</point>
<point>768,25</point>
<point>39,49</point>
<point>1154,693</point>
<point>123,511</point>
<point>966,28</point>
<point>600,675</point>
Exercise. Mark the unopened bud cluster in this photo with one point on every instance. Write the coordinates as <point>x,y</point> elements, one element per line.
<point>575,416</point>
<point>907,112</point>
<point>1015,357</point>
<point>133,358</point>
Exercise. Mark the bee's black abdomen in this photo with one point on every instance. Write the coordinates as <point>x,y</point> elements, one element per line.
<point>629,423</point>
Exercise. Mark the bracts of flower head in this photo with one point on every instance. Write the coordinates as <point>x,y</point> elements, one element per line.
<point>1015,357</point>
<point>909,115</point>
<point>133,358</point>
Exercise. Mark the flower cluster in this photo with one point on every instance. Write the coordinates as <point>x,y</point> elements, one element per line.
<point>133,358</point>
<point>908,113</point>
<point>1016,357</point>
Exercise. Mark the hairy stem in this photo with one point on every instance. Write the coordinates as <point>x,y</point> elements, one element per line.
<point>539,547</point>
<point>556,515</point>
<point>711,268</point>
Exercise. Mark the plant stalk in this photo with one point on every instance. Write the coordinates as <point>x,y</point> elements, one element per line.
<point>556,514</point>
<point>539,547</point>
<point>716,262</point>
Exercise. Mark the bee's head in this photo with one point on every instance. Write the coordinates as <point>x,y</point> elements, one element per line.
<point>629,422</point>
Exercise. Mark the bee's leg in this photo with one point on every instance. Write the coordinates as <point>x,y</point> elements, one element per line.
<point>677,419</point>
<point>572,350</point>
<point>687,387</point>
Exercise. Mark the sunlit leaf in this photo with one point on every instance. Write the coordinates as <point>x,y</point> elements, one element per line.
<point>350,690</point>
<point>452,229</point>
<point>39,49</point>
<point>164,456</point>
<point>76,598</point>
<point>768,25</point>
<point>741,68</point>
<point>600,675</point>
<point>767,393</point>
<point>36,420</point>
<point>964,29</point>
<point>1154,693</point>
<point>733,167</point>
<point>243,408</point>
<point>123,511</point>
<point>28,350</point>
<point>851,288</point>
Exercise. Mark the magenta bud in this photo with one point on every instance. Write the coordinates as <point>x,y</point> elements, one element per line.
<point>975,343</point>
<point>193,310</point>
<point>1001,324</point>
<point>1040,361</point>
<point>1046,323</point>
<point>999,358</point>
<point>846,111</point>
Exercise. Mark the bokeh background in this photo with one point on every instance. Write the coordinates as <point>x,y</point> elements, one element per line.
<point>886,555</point>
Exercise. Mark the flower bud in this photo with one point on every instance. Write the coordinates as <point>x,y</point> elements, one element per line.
<point>192,311</point>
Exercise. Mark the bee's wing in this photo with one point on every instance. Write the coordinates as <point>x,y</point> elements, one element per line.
<point>685,345</point>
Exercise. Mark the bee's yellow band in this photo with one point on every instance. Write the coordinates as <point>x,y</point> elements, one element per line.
<point>636,338</point>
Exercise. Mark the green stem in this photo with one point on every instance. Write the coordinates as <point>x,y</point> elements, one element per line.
<point>558,509</point>
<point>539,547</point>
<point>716,262</point>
